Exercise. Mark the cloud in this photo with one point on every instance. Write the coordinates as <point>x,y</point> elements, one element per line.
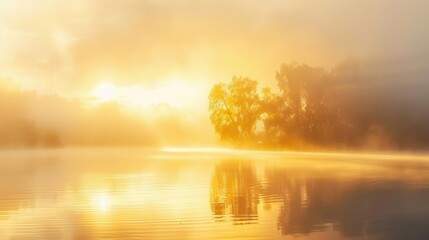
<point>70,45</point>
<point>69,48</point>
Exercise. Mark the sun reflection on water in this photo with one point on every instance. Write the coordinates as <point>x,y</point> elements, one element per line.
<point>103,202</point>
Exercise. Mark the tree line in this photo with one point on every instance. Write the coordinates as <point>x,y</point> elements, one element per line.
<point>315,108</point>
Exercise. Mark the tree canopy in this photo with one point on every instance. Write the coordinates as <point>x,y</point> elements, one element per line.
<point>235,108</point>
<point>316,108</point>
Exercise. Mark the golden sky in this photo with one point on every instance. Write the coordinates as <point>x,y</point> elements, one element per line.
<point>73,48</point>
<point>162,57</point>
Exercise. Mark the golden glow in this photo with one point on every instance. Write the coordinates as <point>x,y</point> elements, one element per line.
<point>199,149</point>
<point>105,92</point>
<point>103,202</point>
<point>163,196</point>
<point>175,92</point>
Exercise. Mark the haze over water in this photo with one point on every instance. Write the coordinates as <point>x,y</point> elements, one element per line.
<point>93,92</point>
<point>132,193</point>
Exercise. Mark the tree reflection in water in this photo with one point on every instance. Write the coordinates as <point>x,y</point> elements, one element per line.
<point>382,208</point>
<point>379,206</point>
<point>234,192</point>
<point>308,204</point>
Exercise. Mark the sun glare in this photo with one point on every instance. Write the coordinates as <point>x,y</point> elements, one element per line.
<point>175,92</point>
<point>105,92</point>
<point>102,202</point>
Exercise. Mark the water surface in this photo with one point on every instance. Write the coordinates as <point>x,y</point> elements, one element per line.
<point>146,194</point>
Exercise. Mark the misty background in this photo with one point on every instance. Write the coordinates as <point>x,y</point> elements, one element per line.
<point>53,54</point>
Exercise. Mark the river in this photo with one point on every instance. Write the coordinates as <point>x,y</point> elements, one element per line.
<point>133,193</point>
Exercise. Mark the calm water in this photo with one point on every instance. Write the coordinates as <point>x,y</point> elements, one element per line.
<point>142,194</point>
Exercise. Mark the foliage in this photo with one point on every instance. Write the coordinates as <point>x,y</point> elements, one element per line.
<point>302,110</point>
<point>349,106</point>
<point>234,109</point>
<point>308,102</point>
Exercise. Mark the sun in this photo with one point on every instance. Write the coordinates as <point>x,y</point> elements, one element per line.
<point>175,92</point>
<point>105,92</point>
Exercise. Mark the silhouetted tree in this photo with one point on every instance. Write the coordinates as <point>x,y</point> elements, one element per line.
<point>235,108</point>
<point>306,107</point>
<point>350,106</point>
<point>274,114</point>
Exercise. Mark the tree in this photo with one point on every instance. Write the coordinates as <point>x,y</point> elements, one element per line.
<point>306,98</point>
<point>273,117</point>
<point>234,109</point>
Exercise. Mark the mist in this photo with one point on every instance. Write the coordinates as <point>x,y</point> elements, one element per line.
<point>66,48</point>
<point>56,54</point>
<point>388,97</point>
<point>30,119</point>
